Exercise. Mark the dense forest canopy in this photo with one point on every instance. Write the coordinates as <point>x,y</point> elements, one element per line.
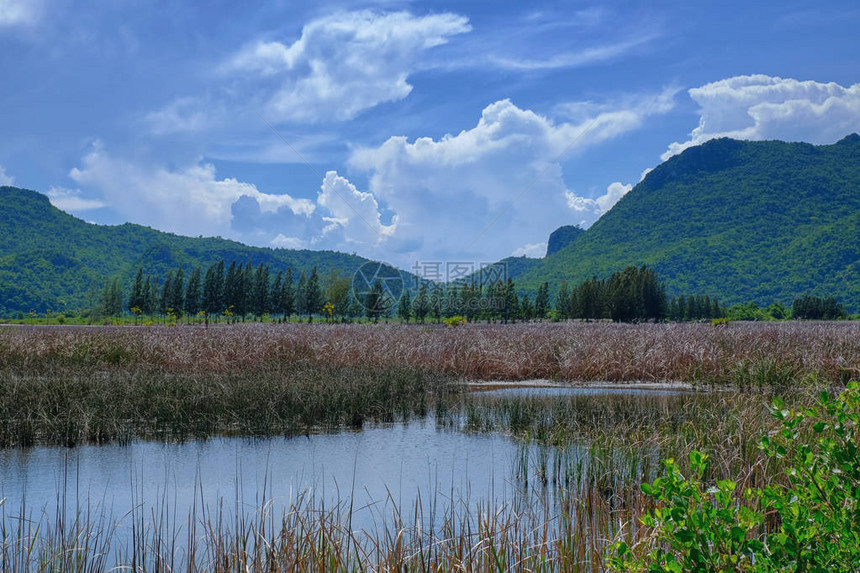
<point>762,221</point>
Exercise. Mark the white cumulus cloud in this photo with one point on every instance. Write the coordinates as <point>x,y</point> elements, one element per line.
<point>19,12</point>
<point>5,179</point>
<point>343,64</point>
<point>189,201</point>
<point>531,250</point>
<point>759,107</point>
<point>355,212</point>
<point>497,188</point>
<point>70,200</point>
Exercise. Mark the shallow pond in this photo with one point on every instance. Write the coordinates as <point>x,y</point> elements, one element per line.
<point>374,471</point>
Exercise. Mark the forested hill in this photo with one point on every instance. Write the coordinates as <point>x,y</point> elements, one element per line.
<point>746,221</point>
<point>52,260</point>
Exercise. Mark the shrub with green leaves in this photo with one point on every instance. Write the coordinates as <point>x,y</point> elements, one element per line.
<point>814,517</point>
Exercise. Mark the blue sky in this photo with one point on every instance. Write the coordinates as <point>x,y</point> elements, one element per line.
<point>401,131</point>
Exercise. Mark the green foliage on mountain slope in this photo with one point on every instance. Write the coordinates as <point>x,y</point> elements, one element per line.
<point>52,260</point>
<point>746,221</point>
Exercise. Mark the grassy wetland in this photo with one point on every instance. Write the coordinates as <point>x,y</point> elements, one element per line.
<point>580,459</point>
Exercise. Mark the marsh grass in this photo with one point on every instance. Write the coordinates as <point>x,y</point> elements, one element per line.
<point>71,385</point>
<point>581,462</point>
<point>582,458</point>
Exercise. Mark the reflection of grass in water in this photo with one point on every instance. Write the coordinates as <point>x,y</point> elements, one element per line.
<point>627,432</point>
<point>582,460</point>
<point>78,406</point>
<point>540,534</point>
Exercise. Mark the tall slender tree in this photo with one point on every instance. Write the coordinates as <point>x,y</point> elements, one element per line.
<point>313,295</point>
<point>193,293</point>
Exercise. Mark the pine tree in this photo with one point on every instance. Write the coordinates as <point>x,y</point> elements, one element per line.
<point>192,293</point>
<point>313,295</point>
<point>527,309</point>
<point>374,301</point>
<point>177,292</point>
<point>135,299</point>
<point>287,300</point>
<point>259,283</point>
<point>301,293</point>
<point>274,297</point>
<point>111,298</point>
<point>542,301</point>
<point>404,306</point>
<point>562,301</point>
<point>166,292</point>
<point>213,290</point>
<point>436,304</point>
<point>150,295</point>
<point>422,304</point>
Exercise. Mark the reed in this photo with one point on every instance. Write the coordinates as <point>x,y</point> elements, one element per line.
<point>70,385</point>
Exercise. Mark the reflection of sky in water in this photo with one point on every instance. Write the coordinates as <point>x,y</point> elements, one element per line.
<point>397,462</point>
<point>574,391</point>
<point>376,469</point>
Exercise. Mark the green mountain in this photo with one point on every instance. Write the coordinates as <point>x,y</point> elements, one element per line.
<point>52,260</point>
<point>747,221</point>
<point>562,237</point>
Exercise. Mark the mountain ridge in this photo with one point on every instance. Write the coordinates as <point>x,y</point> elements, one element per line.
<point>50,259</point>
<point>761,221</point>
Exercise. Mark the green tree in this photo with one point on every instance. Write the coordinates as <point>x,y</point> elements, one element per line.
<point>542,301</point>
<point>511,301</point>
<point>301,294</point>
<point>562,301</point>
<point>135,298</point>
<point>166,293</point>
<point>404,306</point>
<point>193,300</point>
<point>436,304</point>
<point>374,302</point>
<point>422,303</point>
<point>213,290</point>
<point>110,301</point>
<point>259,282</point>
<point>287,298</point>
<point>177,292</point>
<point>313,295</point>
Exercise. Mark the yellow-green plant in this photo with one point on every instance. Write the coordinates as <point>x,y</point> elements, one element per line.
<point>694,528</point>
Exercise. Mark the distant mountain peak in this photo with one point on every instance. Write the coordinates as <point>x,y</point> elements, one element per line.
<point>762,221</point>
<point>562,237</point>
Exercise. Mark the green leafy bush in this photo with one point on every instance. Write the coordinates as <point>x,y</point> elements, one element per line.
<point>694,528</point>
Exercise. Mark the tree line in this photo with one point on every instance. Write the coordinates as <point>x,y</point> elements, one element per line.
<point>239,291</point>
<point>234,292</point>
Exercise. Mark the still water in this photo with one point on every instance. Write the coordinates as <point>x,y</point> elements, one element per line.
<point>374,471</point>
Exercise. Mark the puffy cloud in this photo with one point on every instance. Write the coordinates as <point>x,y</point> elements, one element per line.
<point>190,201</point>
<point>600,205</point>
<point>71,200</point>
<point>488,191</point>
<point>342,64</point>
<point>194,201</point>
<point>19,12</point>
<point>356,212</point>
<point>763,107</point>
<point>485,193</point>
<point>531,250</point>
<point>5,179</point>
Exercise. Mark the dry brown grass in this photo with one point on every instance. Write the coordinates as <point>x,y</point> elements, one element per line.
<point>738,352</point>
